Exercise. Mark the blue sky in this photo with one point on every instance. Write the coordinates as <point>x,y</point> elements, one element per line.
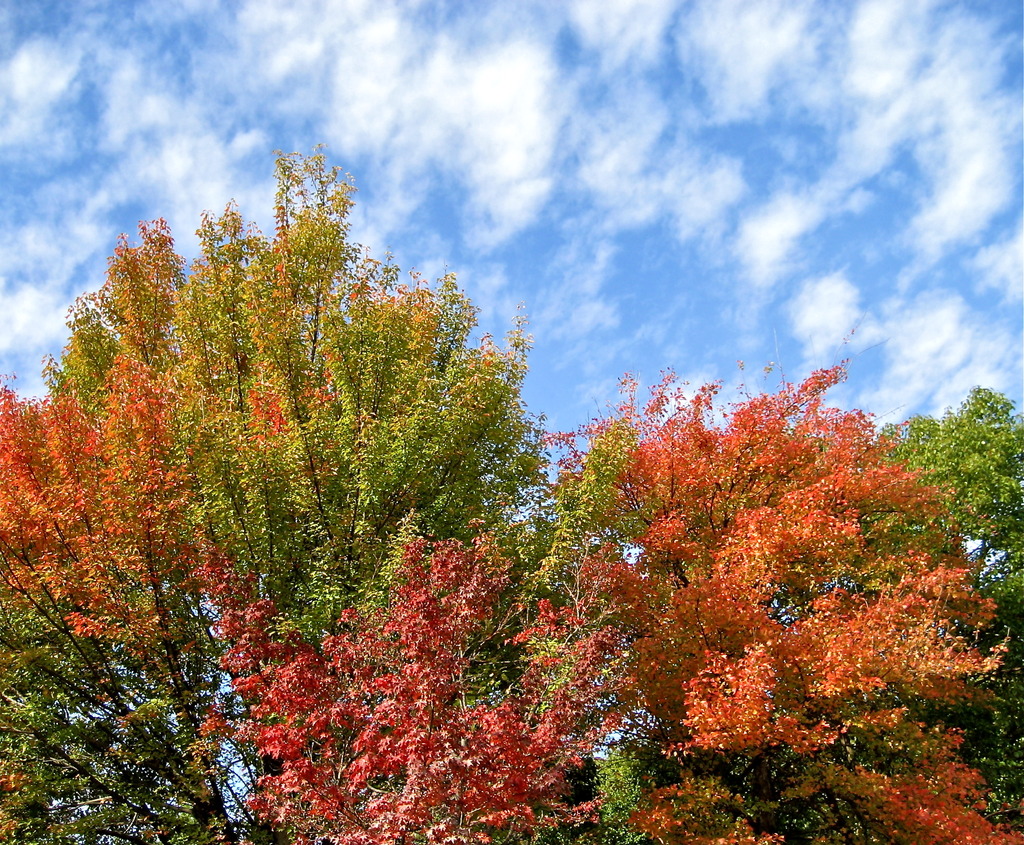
<point>660,184</point>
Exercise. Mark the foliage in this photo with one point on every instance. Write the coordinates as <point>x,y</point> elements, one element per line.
<point>289,407</point>
<point>404,725</point>
<point>278,564</point>
<point>107,665</point>
<point>322,403</point>
<point>976,455</point>
<point>792,614</point>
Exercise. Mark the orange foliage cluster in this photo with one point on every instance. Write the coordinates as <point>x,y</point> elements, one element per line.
<point>794,611</point>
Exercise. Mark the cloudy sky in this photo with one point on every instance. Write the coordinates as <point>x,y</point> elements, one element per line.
<point>660,184</point>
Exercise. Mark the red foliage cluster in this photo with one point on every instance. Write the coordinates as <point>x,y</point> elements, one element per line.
<point>425,716</point>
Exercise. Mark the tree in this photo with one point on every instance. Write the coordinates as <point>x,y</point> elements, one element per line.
<point>322,402</point>
<point>107,664</point>
<point>975,454</point>
<point>278,564</point>
<point>794,612</point>
<point>288,412</point>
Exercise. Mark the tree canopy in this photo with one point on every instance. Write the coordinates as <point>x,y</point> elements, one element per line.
<point>284,560</point>
<point>281,416</point>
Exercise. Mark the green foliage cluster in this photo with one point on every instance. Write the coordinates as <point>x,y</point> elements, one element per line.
<point>975,453</point>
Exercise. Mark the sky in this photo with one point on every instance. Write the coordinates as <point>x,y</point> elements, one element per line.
<point>658,185</point>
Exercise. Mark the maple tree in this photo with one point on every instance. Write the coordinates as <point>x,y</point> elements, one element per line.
<point>794,610</point>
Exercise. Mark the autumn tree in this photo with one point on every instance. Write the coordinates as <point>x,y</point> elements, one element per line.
<point>278,564</point>
<point>975,455</point>
<point>107,662</point>
<point>323,401</point>
<point>287,413</point>
<point>794,612</point>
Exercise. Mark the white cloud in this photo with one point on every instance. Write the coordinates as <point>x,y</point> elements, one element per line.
<point>886,44</point>
<point>970,157</point>
<point>175,148</point>
<point>936,349</point>
<point>619,158</point>
<point>769,235</point>
<point>33,84</point>
<point>31,318</point>
<point>907,79</point>
<point>282,43</point>
<point>575,309</point>
<point>636,174</point>
<point>192,170</point>
<point>40,268</point>
<point>37,262</point>
<point>623,32</point>
<point>824,313</point>
<point>930,84</point>
<point>507,121</point>
<point>587,316</point>
<point>46,251</point>
<point>133,104</point>
<point>701,191</point>
<point>478,110</point>
<point>742,50</point>
<point>1001,266</point>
